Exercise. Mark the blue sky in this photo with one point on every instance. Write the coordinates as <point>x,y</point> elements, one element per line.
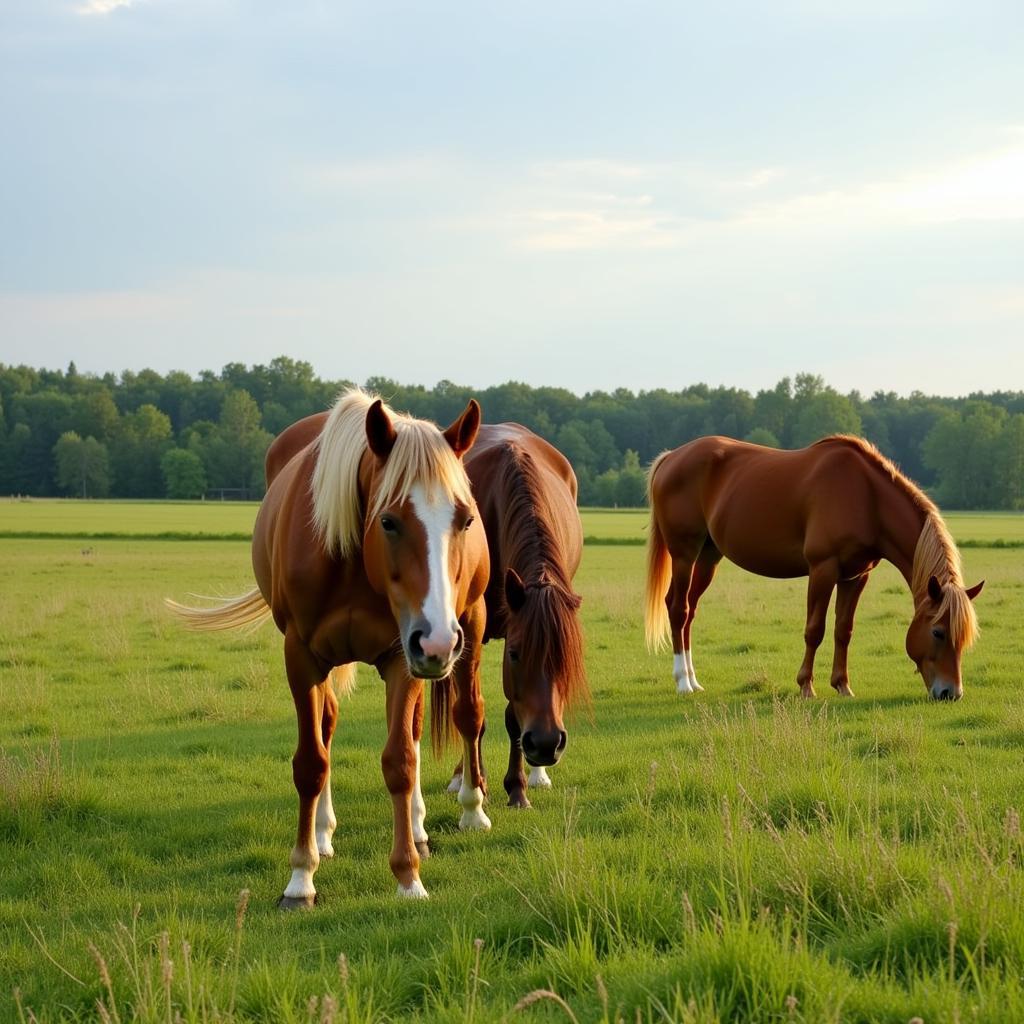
<point>588,195</point>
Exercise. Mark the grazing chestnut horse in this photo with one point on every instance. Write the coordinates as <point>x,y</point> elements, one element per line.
<point>526,491</point>
<point>368,547</point>
<point>830,512</point>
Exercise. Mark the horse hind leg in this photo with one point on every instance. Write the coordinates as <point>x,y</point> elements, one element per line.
<point>703,573</point>
<point>326,822</point>
<point>678,611</point>
<point>419,807</point>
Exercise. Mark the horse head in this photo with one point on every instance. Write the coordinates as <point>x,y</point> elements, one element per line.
<point>543,663</point>
<point>943,627</point>
<point>423,544</point>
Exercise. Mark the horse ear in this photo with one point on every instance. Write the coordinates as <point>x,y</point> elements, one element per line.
<point>462,433</point>
<point>975,590</point>
<point>515,592</point>
<point>380,431</point>
<point>934,590</point>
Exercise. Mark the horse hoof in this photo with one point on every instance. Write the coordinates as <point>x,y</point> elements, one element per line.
<point>456,784</point>
<point>413,891</point>
<point>423,849</point>
<point>297,902</point>
<point>474,821</point>
<point>807,691</point>
<point>517,798</point>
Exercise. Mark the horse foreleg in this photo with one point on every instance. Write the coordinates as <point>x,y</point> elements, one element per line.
<point>326,822</point>
<point>419,807</point>
<point>399,763</point>
<point>515,780</point>
<point>468,714</point>
<point>309,768</point>
<point>700,580</point>
<point>847,595</point>
<point>820,584</point>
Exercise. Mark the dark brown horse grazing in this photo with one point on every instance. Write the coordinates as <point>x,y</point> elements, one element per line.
<point>368,547</point>
<point>526,491</point>
<point>830,512</point>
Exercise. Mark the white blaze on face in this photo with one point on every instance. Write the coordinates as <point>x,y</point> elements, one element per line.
<point>436,513</point>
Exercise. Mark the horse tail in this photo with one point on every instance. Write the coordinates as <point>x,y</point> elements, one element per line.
<point>230,613</point>
<point>442,725</point>
<point>659,573</point>
<point>343,677</point>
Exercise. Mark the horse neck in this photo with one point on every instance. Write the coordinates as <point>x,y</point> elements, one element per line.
<point>902,520</point>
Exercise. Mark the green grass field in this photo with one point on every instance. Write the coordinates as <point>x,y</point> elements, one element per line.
<point>734,855</point>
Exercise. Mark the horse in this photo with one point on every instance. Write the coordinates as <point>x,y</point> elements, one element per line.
<point>526,492</point>
<point>830,512</point>
<point>368,547</point>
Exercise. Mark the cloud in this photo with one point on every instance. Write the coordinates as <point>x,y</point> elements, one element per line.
<point>985,187</point>
<point>102,7</point>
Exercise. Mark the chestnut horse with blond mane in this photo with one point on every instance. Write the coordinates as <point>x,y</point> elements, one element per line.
<point>368,547</point>
<point>526,491</point>
<point>830,512</point>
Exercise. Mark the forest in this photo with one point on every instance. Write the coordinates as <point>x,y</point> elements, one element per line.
<point>174,435</point>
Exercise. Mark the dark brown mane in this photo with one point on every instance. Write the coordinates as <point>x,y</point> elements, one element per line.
<point>551,627</point>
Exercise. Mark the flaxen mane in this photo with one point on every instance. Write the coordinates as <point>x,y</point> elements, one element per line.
<point>936,553</point>
<point>420,455</point>
<point>551,627</point>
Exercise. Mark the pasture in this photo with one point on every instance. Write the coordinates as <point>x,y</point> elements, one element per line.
<point>733,855</point>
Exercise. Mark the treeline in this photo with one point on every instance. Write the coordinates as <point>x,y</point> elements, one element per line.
<point>147,435</point>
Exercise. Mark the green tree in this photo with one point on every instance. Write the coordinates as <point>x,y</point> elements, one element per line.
<point>963,449</point>
<point>184,475</point>
<point>824,412</point>
<point>762,436</point>
<point>82,467</point>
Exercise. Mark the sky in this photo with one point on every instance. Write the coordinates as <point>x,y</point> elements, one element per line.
<point>582,194</point>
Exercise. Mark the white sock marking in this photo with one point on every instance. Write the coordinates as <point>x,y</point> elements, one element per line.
<point>680,674</point>
<point>326,822</point>
<point>538,778</point>
<point>472,800</point>
<point>694,685</point>
<point>456,784</point>
<point>419,808</point>
<point>301,884</point>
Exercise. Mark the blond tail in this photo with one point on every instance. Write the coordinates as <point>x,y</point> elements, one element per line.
<point>231,613</point>
<point>344,679</point>
<point>659,574</point>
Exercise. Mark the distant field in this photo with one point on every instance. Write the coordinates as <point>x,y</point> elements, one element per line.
<point>226,519</point>
<point>737,855</point>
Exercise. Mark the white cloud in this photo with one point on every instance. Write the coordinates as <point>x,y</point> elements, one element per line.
<point>102,7</point>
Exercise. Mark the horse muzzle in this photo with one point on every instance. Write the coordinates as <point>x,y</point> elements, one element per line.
<point>543,748</point>
<point>432,660</point>
<point>941,690</point>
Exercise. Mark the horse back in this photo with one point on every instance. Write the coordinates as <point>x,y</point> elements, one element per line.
<point>772,512</point>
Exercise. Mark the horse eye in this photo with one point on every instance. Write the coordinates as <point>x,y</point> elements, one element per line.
<point>388,525</point>
<point>938,634</point>
<point>513,656</point>
<point>469,523</point>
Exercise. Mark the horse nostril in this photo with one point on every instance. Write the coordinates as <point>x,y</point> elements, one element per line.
<point>527,743</point>
<point>415,647</point>
<point>563,738</point>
